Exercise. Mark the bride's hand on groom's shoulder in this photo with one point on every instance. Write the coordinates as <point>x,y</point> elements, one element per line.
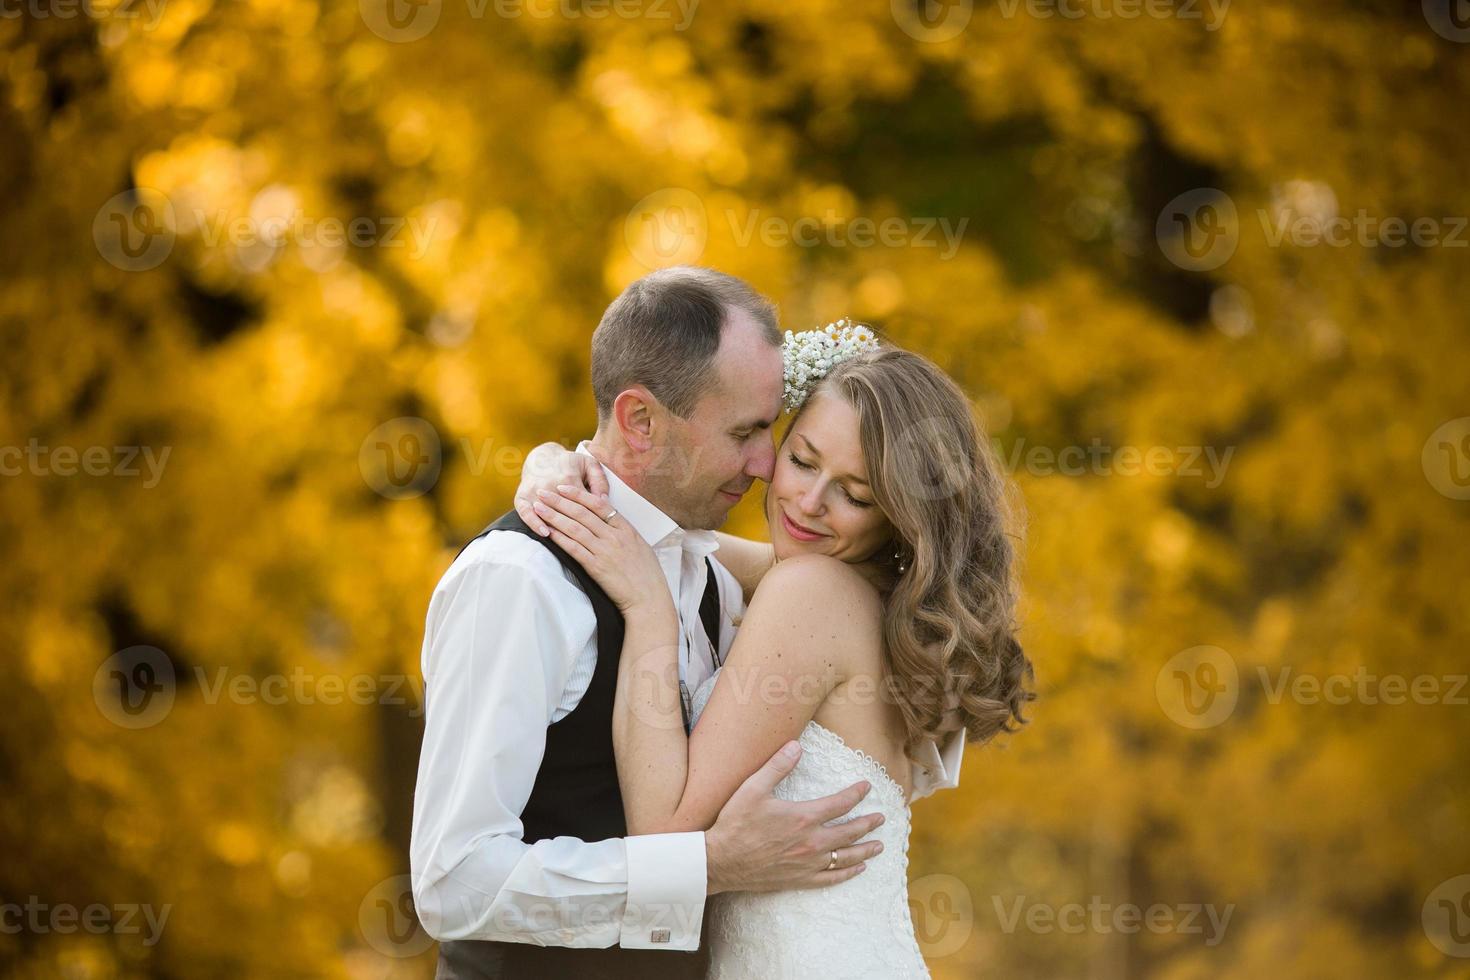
<point>548,466</point>
<point>612,552</point>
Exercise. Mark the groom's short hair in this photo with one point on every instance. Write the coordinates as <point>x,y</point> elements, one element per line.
<point>663,331</point>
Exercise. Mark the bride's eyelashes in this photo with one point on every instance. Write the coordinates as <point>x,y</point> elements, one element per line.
<point>803,465</point>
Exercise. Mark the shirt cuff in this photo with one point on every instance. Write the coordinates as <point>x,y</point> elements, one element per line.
<point>667,882</point>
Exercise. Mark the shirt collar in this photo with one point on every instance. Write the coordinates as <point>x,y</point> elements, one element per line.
<point>938,766</point>
<point>652,524</point>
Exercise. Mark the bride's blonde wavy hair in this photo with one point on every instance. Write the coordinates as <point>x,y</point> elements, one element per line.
<point>949,615</point>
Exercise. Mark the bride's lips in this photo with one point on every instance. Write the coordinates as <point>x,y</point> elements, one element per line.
<point>797,531</point>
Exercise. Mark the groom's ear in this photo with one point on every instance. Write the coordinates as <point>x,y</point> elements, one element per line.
<point>635,411</point>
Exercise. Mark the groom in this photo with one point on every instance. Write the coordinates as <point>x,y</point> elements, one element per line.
<point>522,867</point>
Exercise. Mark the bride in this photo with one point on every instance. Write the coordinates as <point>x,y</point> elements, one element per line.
<point>880,625</point>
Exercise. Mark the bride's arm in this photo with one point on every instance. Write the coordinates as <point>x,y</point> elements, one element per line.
<point>548,465</point>
<point>649,744</point>
<point>795,645</point>
<point>791,651</point>
<point>747,560</point>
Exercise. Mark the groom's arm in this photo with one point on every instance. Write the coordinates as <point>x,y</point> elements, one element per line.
<point>504,629</point>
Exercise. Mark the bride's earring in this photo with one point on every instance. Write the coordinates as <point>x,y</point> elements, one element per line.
<point>900,560</point>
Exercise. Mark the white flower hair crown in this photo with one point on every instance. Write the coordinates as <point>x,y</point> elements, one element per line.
<point>810,354</point>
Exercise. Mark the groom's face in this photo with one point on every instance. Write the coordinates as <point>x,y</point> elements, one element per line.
<point>725,444</point>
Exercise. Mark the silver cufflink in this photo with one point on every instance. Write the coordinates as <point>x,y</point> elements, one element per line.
<point>661,936</point>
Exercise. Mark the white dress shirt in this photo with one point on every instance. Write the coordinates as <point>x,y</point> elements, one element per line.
<point>510,644</point>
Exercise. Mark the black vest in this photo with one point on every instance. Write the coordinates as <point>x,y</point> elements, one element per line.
<point>576,794</point>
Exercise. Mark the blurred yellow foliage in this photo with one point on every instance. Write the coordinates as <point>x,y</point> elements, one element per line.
<point>262,256</point>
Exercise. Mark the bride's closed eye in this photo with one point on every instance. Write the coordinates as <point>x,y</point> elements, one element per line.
<point>803,465</point>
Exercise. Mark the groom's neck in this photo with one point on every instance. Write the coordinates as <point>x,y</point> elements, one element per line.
<point>617,456</point>
<point>639,471</point>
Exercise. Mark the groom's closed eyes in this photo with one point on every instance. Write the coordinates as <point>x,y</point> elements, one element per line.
<point>747,429</point>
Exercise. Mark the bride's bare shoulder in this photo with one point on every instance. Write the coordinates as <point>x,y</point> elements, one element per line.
<point>820,588</point>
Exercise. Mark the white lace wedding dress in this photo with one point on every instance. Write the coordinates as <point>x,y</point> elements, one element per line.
<point>858,929</point>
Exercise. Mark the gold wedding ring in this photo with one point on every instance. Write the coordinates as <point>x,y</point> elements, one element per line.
<point>610,515</point>
<point>832,863</point>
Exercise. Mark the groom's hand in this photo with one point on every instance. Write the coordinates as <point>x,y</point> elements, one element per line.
<point>760,843</point>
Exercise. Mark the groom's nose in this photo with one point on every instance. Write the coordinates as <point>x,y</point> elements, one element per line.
<point>762,462</point>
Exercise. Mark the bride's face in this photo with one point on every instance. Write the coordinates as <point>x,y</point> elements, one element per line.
<point>819,500</point>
